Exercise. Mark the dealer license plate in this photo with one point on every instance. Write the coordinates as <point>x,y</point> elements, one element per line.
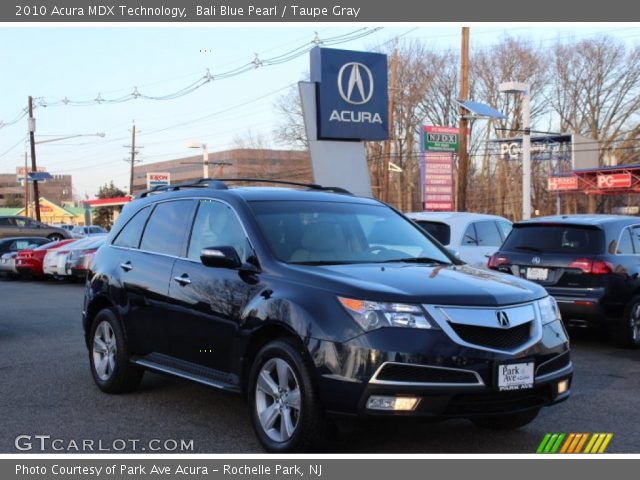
<point>515,376</point>
<point>537,273</point>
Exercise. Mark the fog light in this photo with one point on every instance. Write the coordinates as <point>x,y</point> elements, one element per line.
<point>384,402</point>
<point>563,386</point>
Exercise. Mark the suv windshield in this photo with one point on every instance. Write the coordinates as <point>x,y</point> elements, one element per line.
<point>332,233</point>
<point>541,238</point>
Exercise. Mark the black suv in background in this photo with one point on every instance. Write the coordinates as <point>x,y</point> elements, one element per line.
<point>313,302</point>
<point>589,263</point>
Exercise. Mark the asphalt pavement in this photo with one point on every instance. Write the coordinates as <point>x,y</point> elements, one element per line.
<point>46,389</point>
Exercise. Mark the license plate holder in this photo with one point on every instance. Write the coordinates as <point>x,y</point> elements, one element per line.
<point>534,273</point>
<point>515,376</point>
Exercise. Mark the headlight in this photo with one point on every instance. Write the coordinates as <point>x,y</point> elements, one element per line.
<point>372,315</point>
<point>549,310</point>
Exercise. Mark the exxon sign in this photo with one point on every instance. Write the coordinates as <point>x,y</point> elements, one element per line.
<point>351,94</point>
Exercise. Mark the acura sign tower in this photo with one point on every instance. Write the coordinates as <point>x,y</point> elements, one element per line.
<point>345,104</point>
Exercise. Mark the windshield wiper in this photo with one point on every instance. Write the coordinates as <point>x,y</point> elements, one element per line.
<point>417,260</point>
<point>528,248</point>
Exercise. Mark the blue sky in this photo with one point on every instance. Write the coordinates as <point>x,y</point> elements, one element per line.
<point>81,62</point>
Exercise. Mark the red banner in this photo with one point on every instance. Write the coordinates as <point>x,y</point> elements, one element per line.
<point>614,180</point>
<point>562,183</point>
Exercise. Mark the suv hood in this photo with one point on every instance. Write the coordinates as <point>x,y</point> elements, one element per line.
<point>444,285</point>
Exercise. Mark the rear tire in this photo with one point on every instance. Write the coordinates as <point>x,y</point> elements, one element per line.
<point>284,407</point>
<point>55,237</point>
<point>109,356</point>
<point>511,421</point>
<point>627,333</point>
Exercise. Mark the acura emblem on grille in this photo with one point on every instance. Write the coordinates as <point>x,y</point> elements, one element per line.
<point>503,319</point>
<point>535,260</point>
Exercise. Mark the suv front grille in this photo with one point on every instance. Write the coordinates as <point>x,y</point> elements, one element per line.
<point>398,372</point>
<point>497,338</point>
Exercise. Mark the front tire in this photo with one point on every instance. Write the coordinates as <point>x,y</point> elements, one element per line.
<point>109,356</point>
<point>284,409</point>
<point>511,421</point>
<point>627,333</point>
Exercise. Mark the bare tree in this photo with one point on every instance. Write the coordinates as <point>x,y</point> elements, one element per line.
<point>596,92</point>
<point>291,130</point>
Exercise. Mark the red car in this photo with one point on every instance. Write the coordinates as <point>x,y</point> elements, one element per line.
<point>29,261</point>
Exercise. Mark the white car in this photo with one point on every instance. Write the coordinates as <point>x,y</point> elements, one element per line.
<point>8,264</point>
<point>54,262</point>
<point>87,231</point>
<point>474,236</point>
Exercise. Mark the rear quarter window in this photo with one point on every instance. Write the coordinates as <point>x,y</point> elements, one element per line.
<point>440,231</point>
<point>570,239</point>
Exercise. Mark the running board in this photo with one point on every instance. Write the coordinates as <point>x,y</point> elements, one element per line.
<point>189,371</point>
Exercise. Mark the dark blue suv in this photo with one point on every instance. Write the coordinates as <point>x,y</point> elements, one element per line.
<point>315,303</point>
<point>589,263</point>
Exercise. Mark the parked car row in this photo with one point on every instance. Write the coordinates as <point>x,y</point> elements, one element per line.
<point>18,226</point>
<point>39,257</point>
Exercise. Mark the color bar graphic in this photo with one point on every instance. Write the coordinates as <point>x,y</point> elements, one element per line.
<point>574,443</point>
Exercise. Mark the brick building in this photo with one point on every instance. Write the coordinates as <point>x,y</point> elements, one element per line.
<point>58,190</point>
<point>291,165</point>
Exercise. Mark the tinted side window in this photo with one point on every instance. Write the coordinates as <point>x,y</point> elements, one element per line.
<point>167,226</point>
<point>20,222</point>
<point>441,231</point>
<point>6,222</point>
<point>488,234</point>
<point>216,225</point>
<point>129,236</point>
<point>625,245</point>
<point>469,237</point>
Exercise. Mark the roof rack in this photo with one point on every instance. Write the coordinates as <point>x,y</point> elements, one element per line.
<point>219,184</point>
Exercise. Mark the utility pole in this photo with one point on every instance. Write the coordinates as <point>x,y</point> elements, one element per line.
<point>132,160</point>
<point>387,144</point>
<point>463,153</point>
<point>34,167</point>
<point>26,185</point>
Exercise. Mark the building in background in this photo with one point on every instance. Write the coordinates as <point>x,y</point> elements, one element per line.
<point>52,213</point>
<point>58,190</point>
<point>292,165</point>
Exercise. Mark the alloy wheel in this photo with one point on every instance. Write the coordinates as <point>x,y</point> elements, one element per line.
<point>278,400</point>
<point>104,351</point>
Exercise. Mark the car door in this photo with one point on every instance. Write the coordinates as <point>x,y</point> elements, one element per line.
<point>7,227</point>
<point>145,269</point>
<point>28,227</point>
<point>208,301</point>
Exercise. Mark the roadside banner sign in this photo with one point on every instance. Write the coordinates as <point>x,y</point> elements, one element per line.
<point>158,179</point>
<point>614,180</point>
<point>555,184</point>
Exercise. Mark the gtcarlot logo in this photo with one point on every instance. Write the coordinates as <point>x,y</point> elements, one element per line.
<point>46,443</point>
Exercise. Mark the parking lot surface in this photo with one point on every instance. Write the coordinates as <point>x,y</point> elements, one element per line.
<point>47,389</point>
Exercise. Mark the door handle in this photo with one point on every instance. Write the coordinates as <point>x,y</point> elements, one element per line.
<point>183,280</point>
<point>126,266</point>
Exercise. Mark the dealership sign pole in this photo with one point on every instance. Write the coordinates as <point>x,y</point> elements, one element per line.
<point>345,104</point>
<point>438,145</point>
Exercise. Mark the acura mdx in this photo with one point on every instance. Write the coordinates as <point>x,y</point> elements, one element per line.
<point>314,303</point>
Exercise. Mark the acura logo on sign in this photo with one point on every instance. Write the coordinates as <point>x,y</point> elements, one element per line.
<point>535,260</point>
<point>350,76</point>
<point>503,319</point>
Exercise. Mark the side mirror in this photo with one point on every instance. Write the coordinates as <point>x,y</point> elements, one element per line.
<point>220,257</point>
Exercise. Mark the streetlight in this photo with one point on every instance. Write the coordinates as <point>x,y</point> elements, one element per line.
<point>524,89</point>
<point>205,156</point>
<point>99,134</point>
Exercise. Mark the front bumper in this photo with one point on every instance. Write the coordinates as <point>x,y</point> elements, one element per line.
<point>349,374</point>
